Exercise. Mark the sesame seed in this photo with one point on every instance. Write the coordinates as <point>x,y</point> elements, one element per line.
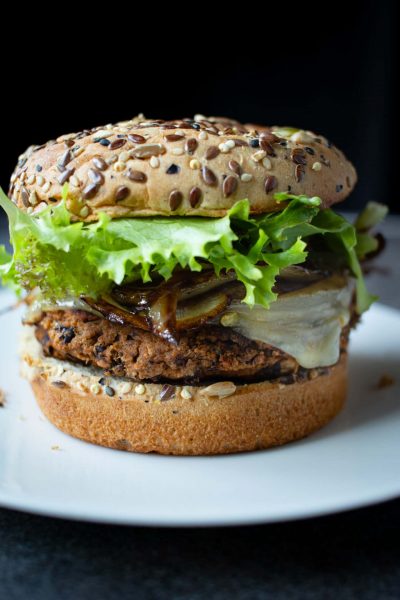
<point>229,186</point>
<point>136,138</point>
<point>211,152</point>
<point>257,156</point>
<point>154,162</point>
<point>29,210</point>
<point>125,388</point>
<point>172,169</point>
<point>267,163</point>
<point>90,191</point>
<point>119,166</point>
<point>46,187</point>
<point>95,388</point>
<point>175,198</point>
<point>235,167</point>
<point>137,176</point>
<point>109,391</point>
<point>194,196</point>
<point>100,163</point>
<point>84,212</point>
<point>203,135</point>
<point>33,198</point>
<point>224,147</point>
<point>194,164</point>
<point>230,144</point>
<point>209,176</point>
<point>74,181</point>
<point>40,180</point>
<point>191,145</point>
<point>124,156</point>
<point>246,177</point>
<point>78,151</point>
<point>118,143</point>
<point>121,193</point>
<point>270,183</point>
<point>96,176</point>
<point>140,389</point>
<point>65,175</point>
<point>31,179</point>
<point>177,151</point>
<point>39,207</point>
<point>186,393</point>
<point>316,166</point>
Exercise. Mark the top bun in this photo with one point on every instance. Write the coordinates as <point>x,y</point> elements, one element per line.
<point>199,166</point>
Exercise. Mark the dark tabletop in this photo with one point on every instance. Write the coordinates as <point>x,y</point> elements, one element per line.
<point>344,556</point>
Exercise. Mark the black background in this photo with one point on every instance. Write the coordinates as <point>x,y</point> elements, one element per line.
<point>329,67</point>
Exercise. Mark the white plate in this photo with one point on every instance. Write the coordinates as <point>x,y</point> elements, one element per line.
<point>352,462</point>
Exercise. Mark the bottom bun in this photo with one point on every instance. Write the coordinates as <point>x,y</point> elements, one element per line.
<point>189,420</point>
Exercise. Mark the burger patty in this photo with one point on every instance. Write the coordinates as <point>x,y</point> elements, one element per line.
<point>206,354</point>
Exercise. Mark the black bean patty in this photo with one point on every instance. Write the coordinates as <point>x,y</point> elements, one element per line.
<point>206,354</point>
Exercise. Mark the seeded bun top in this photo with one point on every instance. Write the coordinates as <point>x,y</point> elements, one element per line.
<point>199,166</point>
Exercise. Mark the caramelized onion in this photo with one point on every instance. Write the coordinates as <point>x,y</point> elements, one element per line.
<point>110,310</point>
<point>194,313</point>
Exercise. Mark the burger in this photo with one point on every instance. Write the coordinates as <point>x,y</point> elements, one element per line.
<point>189,288</point>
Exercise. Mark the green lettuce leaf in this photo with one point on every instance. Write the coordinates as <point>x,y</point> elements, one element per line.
<point>66,258</point>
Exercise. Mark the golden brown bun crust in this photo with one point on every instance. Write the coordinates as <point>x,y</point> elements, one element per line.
<point>193,167</point>
<point>187,421</point>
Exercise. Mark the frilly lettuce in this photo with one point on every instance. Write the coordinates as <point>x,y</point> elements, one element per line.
<point>65,258</point>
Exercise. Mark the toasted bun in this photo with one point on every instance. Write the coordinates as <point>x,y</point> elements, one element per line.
<point>183,421</point>
<point>193,167</point>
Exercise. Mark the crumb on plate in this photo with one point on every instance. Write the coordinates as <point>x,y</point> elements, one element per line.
<point>385,381</point>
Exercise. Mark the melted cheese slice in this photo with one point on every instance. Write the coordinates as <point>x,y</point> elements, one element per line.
<point>305,324</point>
